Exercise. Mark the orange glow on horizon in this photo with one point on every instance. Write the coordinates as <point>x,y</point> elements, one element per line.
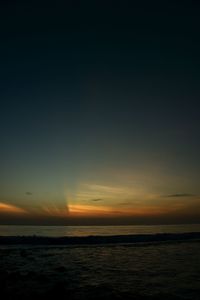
<point>88,210</point>
<point>74,210</point>
<point>9,208</point>
<point>103,211</point>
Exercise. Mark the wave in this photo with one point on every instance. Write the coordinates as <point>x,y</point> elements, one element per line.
<point>98,240</point>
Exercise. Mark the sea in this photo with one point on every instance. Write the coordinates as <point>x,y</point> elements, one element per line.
<point>76,231</point>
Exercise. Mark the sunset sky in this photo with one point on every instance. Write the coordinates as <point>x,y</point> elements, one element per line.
<point>100,113</point>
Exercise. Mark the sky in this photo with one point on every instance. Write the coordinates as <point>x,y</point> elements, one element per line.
<point>100,112</point>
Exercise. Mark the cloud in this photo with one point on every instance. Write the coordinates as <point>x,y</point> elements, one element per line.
<point>105,189</point>
<point>96,200</point>
<point>125,203</point>
<point>180,195</point>
<point>56,210</point>
<point>29,193</point>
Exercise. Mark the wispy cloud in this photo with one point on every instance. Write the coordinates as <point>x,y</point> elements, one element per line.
<point>125,203</point>
<point>96,200</point>
<point>180,195</point>
<point>56,210</point>
<point>103,188</point>
<point>97,192</point>
<point>29,193</point>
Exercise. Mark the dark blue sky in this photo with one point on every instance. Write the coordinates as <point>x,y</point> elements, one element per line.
<point>98,99</point>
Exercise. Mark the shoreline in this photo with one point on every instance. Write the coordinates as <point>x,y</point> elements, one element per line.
<point>99,240</point>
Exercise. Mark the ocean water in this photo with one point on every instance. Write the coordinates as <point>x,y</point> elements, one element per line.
<point>72,231</point>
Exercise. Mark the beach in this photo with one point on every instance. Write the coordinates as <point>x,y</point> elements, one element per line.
<point>145,270</point>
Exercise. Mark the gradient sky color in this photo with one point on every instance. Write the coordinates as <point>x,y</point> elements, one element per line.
<point>100,113</point>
